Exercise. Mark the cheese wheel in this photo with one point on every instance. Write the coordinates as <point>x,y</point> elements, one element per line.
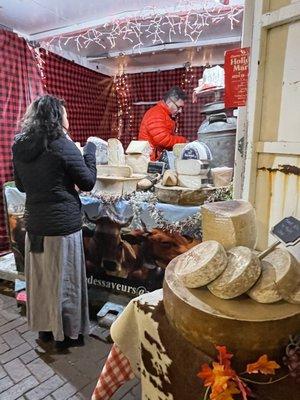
<point>294,296</point>
<point>177,149</point>
<point>231,223</point>
<point>265,289</point>
<point>191,167</point>
<point>196,150</point>
<point>138,163</point>
<point>116,154</point>
<point>287,275</point>
<point>201,264</point>
<point>242,271</point>
<point>138,147</point>
<point>114,170</point>
<point>192,182</point>
<point>169,178</point>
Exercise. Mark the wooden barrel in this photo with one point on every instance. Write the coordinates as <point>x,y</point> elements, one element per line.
<point>248,329</point>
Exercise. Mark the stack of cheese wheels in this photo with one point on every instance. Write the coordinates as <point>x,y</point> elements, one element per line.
<point>231,223</point>
<point>191,173</point>
<point>201,264</point>
<point>248,328</point>
<point>242,271</point>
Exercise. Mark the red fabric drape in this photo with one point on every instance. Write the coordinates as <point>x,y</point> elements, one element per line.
<point>20,83</point>
<point>90,97</point>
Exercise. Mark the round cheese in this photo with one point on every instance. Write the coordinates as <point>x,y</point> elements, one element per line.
<point>197,151</point>
<point>287,275</point>
<point>294,296</point>
<point>191,167</point>
<point>265,289</point>
<point>192,182</point>
<point>169,178</point>
<point>231,223</point>
<point>202,264</point>
<point>242,271</point>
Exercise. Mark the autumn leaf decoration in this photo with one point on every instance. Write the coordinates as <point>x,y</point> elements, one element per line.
<point>263,365</point>
<point>222,382</point>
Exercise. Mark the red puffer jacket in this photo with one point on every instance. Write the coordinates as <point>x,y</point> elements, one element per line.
<point>157,128</point>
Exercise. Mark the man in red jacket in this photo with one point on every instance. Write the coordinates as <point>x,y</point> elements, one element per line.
<point>157,126</point>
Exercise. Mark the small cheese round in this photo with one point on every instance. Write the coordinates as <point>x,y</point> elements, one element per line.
<point>294,296</point>
<point>201,264</point>
<point>287,271</point>
<point>169,178</point>
<point>242,271</point>
<point>265,289</point>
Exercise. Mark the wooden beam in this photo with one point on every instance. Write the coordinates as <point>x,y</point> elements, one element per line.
<point>283,15</point>
<point>291,148</point>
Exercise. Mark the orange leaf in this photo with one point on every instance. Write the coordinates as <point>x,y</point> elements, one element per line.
<point>206,374</point>
<point>224,357</point>
<point>263,365</point>
<point>227,393</point>
<point>222,377</point>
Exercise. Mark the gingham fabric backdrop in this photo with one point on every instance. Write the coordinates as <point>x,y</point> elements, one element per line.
<point>19,84</point>
<point>89,95</point>
<point>91,99</point>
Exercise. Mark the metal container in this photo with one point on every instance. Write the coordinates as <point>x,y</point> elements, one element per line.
<point>218,133</point>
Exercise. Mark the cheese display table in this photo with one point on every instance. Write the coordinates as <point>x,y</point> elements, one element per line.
<point>248,329</point>
<point>165,361</point>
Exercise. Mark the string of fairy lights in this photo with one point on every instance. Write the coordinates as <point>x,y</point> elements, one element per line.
<point>154,25</point>
<point>157,25</point>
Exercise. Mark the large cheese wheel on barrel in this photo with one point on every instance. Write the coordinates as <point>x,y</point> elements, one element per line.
<point>242,271</point>
<point>201,264</point>
<point>231,223</point>
<point>248,329</point>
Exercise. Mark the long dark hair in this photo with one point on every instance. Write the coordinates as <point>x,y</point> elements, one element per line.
<point>43,119</point>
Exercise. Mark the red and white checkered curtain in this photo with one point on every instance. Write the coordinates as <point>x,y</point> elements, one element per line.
<point>151,86</point>
<point>90,97</point>
<point>20,83</point>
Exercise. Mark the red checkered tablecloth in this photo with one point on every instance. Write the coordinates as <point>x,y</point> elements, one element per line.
<point>115,373</point>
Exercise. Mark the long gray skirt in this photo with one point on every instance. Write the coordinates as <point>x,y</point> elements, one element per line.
<point>56,287</point>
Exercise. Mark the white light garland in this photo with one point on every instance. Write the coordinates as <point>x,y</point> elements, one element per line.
<point>153,24</point>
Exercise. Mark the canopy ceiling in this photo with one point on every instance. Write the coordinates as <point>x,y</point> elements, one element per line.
<point>136,35</point>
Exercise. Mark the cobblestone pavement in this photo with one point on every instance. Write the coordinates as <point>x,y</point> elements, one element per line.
<point>32,371</point>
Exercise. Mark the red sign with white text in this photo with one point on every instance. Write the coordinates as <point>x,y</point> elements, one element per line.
<point>236,77</point>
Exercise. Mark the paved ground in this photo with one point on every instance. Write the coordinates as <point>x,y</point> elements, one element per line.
<point>29,371</point>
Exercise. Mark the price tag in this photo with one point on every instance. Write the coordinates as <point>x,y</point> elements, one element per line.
<point>157,167</point>
<point>287,230</point>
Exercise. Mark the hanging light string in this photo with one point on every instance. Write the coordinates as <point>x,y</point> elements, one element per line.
<point>125,117</point>
<point>154,24</point>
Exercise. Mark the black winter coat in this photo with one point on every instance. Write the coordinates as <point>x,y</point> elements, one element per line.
<point>48,177</point>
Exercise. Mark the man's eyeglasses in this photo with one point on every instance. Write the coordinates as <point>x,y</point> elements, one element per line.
<point>179,108</point>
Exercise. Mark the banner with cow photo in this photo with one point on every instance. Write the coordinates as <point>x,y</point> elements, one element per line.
<point>119,259</point>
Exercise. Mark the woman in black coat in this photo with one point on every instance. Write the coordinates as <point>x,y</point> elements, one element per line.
<point>47,166</point>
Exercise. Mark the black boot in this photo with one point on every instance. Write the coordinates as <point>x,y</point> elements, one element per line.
<point>61,345</point>
<point>45,336</point>
<point>76,342</point>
